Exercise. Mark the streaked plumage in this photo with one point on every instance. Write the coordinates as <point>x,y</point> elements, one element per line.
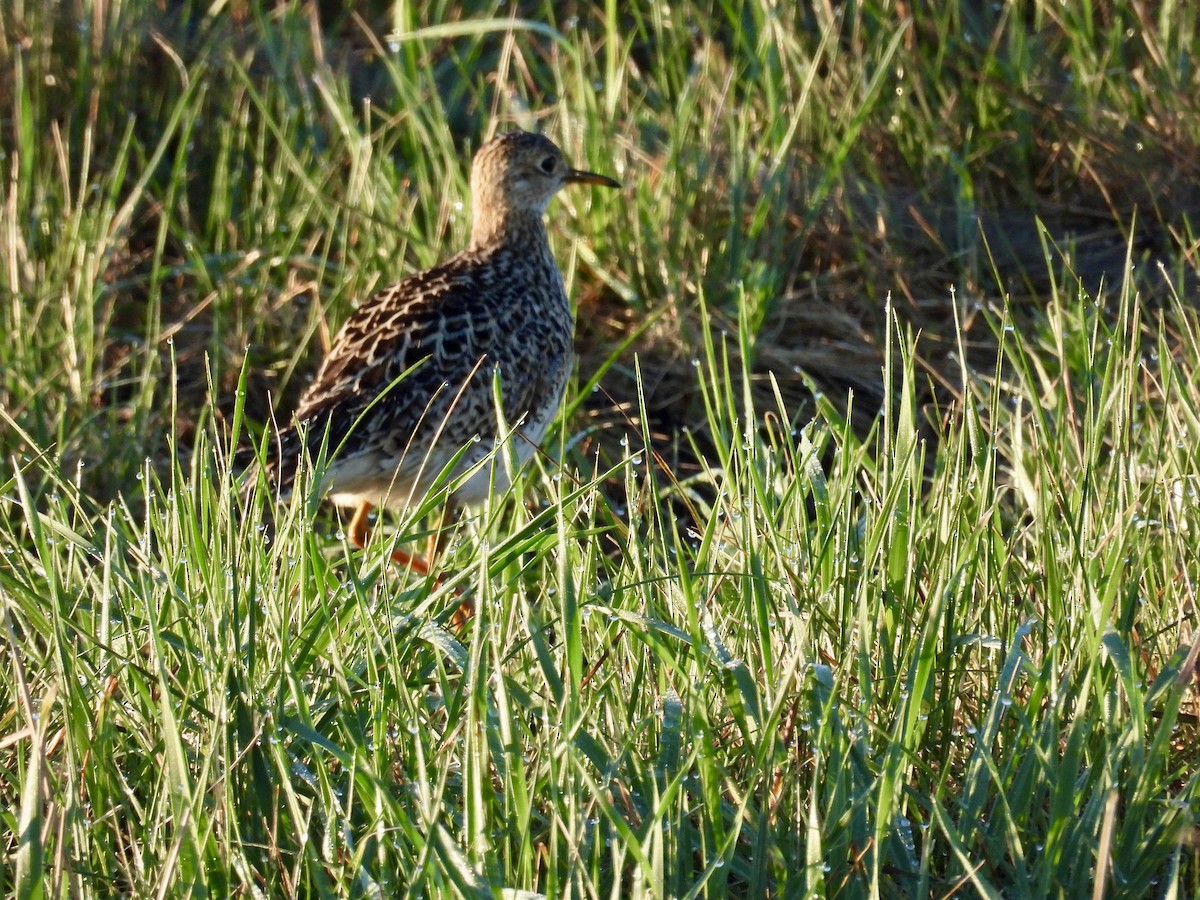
<point>498,306</point>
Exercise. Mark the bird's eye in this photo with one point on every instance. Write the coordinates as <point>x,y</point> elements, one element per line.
<point>547,165</point>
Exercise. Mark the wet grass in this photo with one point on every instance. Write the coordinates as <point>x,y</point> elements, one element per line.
<point>861,561</point>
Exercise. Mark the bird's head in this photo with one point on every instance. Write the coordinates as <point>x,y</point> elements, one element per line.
<point>516,175</point>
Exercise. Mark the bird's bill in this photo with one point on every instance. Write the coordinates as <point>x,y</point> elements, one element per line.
<point>577,176</point>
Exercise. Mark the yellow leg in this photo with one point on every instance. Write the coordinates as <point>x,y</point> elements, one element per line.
<point>358,525</point>
<point>358,534</point>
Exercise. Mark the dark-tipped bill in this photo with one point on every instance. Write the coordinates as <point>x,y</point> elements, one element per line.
<point>576,176</point>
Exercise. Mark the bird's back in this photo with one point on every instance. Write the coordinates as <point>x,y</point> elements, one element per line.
<point>409,380</point>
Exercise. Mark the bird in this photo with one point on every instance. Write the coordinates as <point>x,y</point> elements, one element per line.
<point>409,386</point>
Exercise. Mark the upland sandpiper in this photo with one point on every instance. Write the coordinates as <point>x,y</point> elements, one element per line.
<point>411,379</point>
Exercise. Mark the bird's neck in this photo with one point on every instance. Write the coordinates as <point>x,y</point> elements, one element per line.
<point>508,227</point>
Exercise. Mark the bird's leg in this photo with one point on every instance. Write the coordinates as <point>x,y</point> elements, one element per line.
<point>414,562</point>
<point>359,532</point>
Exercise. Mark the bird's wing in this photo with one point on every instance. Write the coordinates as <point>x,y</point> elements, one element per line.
<point>401,357</point>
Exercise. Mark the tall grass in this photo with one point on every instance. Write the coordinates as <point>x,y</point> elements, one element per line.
<point>740,631</point>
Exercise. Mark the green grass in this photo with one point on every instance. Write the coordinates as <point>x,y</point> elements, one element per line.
<point>862,561</point>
